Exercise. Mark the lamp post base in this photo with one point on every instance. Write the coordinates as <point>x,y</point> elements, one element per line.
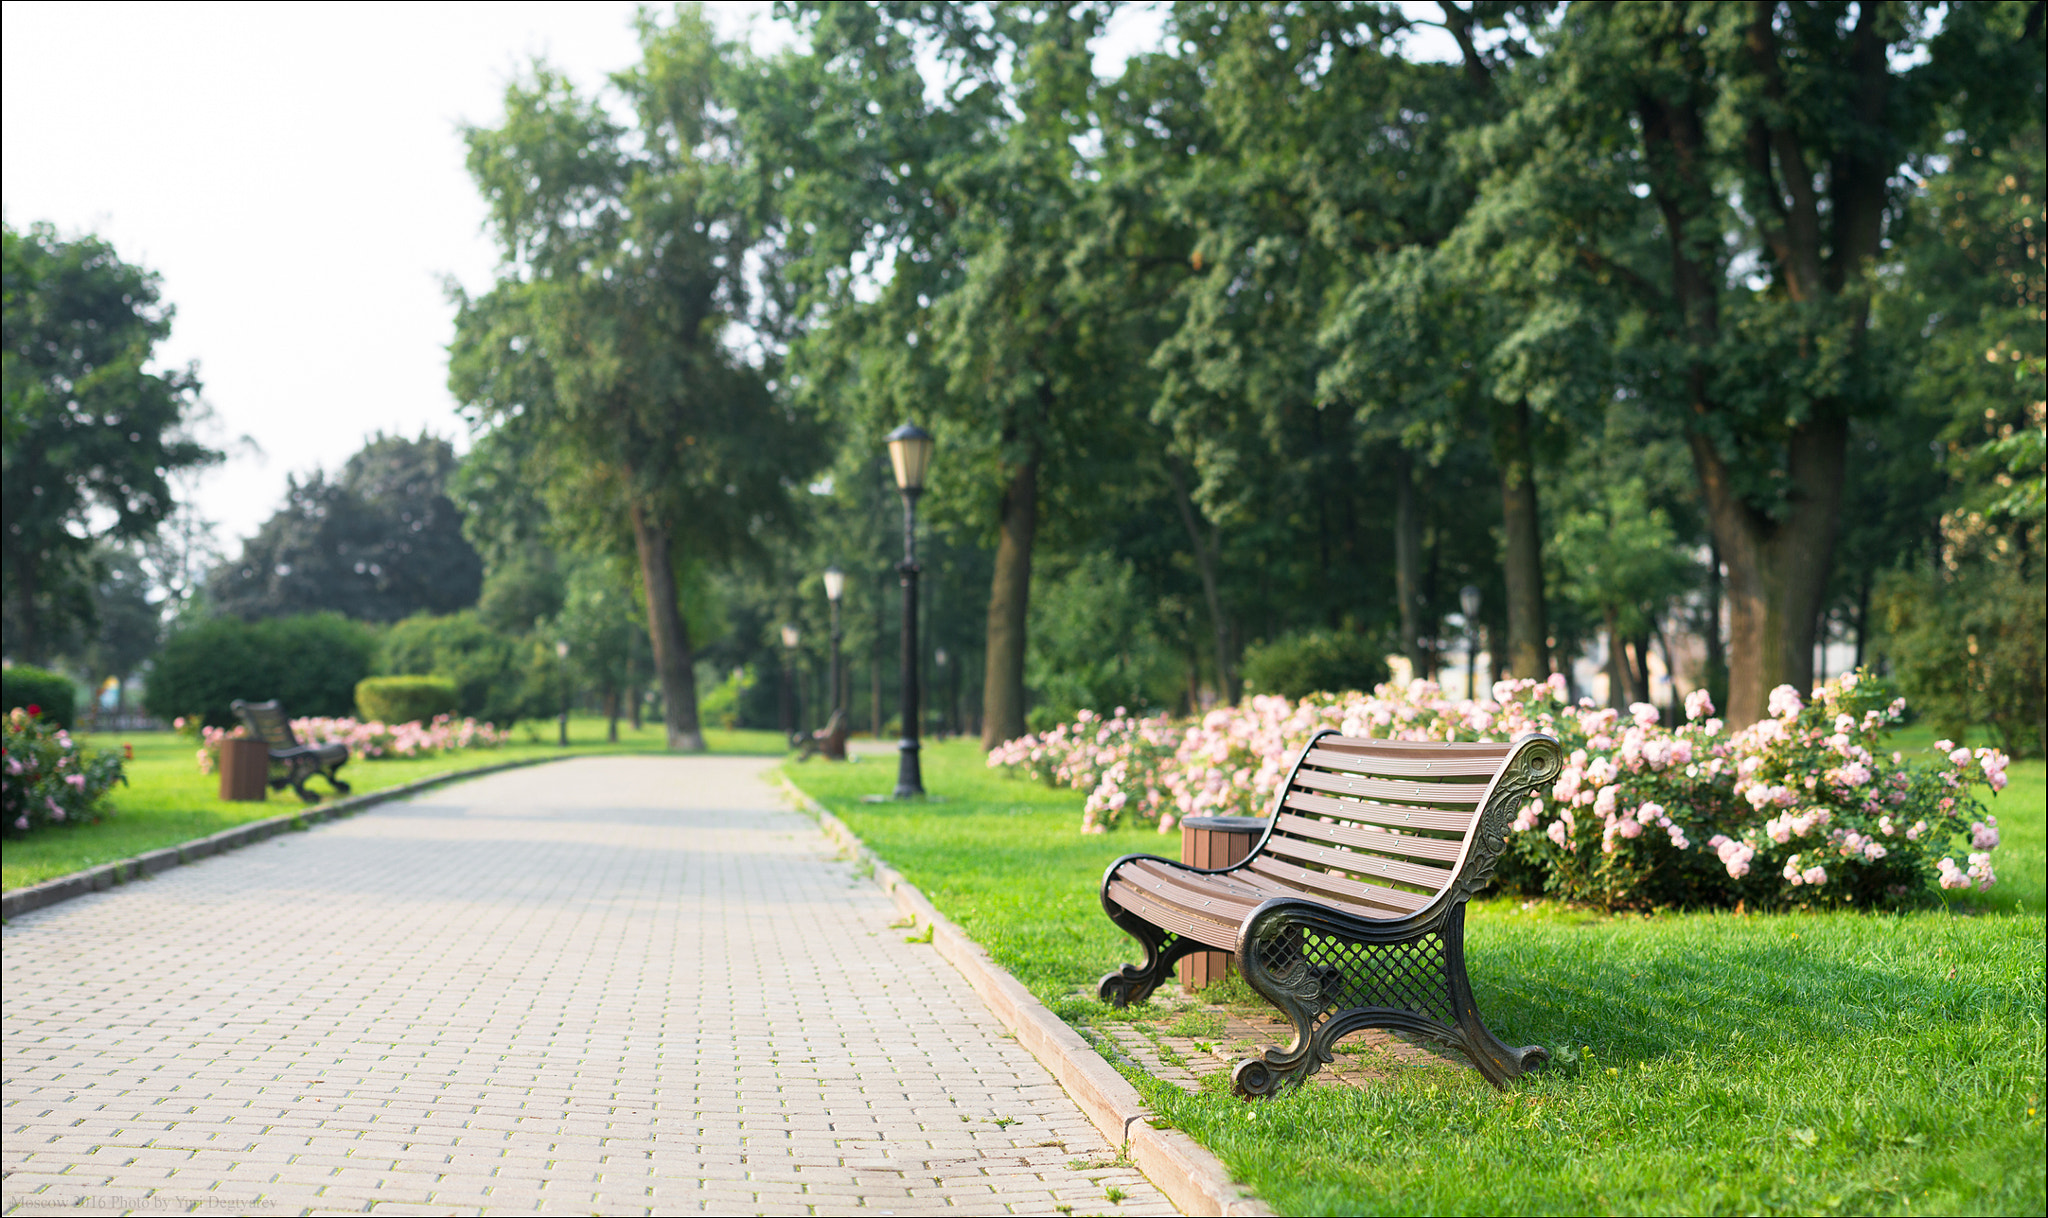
<point>909,774</point>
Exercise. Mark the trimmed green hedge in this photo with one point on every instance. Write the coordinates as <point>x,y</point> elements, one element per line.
<point>405,699</point>
<point>311,663</point>
<point>51,692</point>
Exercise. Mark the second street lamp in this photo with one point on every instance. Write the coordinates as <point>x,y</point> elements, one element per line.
<point>910,450</point>
<point>835,587</point>
<point>790,724</point>
<point>562,675</point>
<point>1468,600</point>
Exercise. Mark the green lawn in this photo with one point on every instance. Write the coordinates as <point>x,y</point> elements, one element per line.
<point>167,800</point>
<point>1707,1062</point>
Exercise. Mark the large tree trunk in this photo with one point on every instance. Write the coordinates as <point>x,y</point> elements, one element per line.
<point>1408,566</point>
<point>1715,679</point>
<point>633,698</point>
<point>1009,599</point>
<point>1777,570</point>
<point>673,661</point>
<point>27,642</point>
<point>875,656</point>
<point>1207,557</point>
<point>1528,653</point>
<point>1617,668</point>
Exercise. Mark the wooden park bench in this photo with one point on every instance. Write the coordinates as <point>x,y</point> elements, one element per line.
<point>828,741</point>
<point>1349,912</point>
<point>291,763</point>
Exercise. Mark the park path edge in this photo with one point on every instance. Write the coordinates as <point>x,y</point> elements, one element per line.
<point>29,897</point>
<point>1190,1175</point>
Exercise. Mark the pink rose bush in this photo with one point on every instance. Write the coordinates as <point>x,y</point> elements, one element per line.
<point>47,778</point>
<point>442,734</point>
<point>1803,807</point>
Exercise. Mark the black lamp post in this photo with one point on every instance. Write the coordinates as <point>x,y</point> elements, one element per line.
<point>835,587</point>
<point>910,450</point>
<point>789,709</point>
<point>1468,600</point>
<point>562,675</point>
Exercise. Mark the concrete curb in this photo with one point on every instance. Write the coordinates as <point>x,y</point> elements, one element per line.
<point>110,875</point>
<point>1185,1170</point>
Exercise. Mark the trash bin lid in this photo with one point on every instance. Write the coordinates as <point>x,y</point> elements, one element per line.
<point>1226,824</point>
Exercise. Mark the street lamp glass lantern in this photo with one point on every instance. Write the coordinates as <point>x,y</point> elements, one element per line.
<point>910,450</point>
<point>1468,600</point>
<point>790,637</point>
<point>835,583</point>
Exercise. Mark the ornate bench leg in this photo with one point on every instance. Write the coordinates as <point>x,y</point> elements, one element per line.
<point>1278,970</point>
<point>1494,1058</point>
<point>334,778</point>
<point>1135,982</point>
<point>300,773</point>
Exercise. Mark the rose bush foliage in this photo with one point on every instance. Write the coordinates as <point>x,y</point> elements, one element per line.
<point>442,734</point>
<point>1804,807</point>
<point>47,778</point>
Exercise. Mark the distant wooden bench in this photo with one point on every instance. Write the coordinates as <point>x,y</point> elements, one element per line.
<point>828,741</point>
<point>291,763</point>
<point>1349,912</point>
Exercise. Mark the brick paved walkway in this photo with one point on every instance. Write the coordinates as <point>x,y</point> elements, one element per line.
<point>608,985</point>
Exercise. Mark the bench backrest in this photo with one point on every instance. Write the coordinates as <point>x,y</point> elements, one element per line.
<point>1385,824</point>
<point>266,722</point>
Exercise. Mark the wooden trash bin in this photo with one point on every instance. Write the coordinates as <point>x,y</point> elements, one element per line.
<point>1213,841</point>
<point>244,770</point>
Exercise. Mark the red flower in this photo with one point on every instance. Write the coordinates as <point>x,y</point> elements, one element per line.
<point>33,709</point>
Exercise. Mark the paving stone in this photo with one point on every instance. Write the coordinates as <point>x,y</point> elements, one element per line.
<point>615,985</point>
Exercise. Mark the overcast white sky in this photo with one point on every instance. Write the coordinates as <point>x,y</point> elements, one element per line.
<point>295,173</point>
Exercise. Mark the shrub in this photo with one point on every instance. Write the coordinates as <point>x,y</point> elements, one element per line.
<point>368,740</point>
<point>1090,645</point>
<point>497,677</point>
<point>25,685</point>
<point>1801,808</point>
<point>720,703</point>
<point>310,663</point>
<point>1313,661</point>
<point>405,699</point>
<point>48,778</point>
<point>1971,647</point>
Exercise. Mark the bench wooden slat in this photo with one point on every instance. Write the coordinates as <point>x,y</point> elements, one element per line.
<point>1358,863</point>
<point>1392,791</point>
<point>1436,768</point>
<point>1171,917</point>
<point>1417,748</point>
<point>1225,890</point>
<point>1394,816</point>
<point>1370,894</point>
<point>1196,894</point>
<point>1411,845</point>
<point>1269,887</point>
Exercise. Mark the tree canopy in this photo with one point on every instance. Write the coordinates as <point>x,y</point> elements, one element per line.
<point>378,543</point>
<point>92,435</point>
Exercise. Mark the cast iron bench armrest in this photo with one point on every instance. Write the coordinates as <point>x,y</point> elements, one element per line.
<point>291,762</point>
<point>1349,912</point>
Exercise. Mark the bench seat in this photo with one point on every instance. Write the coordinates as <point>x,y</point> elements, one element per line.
<point>1349,912</point>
